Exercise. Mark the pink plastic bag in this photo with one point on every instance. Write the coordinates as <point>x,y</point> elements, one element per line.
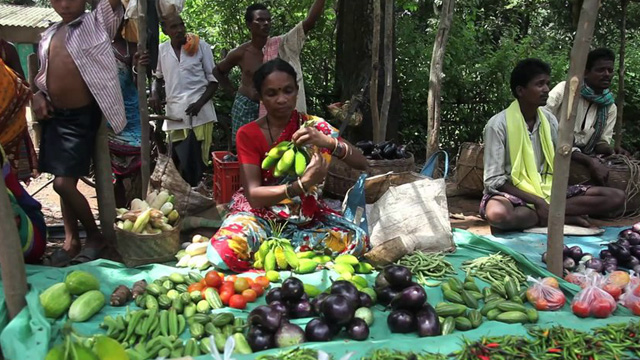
<point>592,300</point>
<point>545,295</point>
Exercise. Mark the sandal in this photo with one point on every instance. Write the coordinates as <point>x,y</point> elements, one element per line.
<point>59,258</point>
<point>86,254</point>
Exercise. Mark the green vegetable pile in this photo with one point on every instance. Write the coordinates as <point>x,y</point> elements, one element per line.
<point>494,268</point>
<point>425,266</point>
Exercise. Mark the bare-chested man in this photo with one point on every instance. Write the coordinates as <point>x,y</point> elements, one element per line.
<point>77,83</point>
<point>262,48</point>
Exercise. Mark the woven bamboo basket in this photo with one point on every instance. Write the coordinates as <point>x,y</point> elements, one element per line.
<point>623,175</point>
<point>341,177</point>
<point>137,249</point>
<point>470,168</point>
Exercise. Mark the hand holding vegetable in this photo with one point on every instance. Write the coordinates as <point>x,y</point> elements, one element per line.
<point>312,136</point>
<point>316,171</point>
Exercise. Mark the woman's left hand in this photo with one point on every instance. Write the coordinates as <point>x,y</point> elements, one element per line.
<point>312,136</point>
<point>141,59</point>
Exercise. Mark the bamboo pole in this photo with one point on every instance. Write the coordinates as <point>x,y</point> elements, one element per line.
<point>586,25</point>
<point>620,99</point>
<point>388,68</point>
<point>375,71</point>
<point>14,278</point>
<point>435,76</point>
<point>145,148</point>
<point>104,185</point>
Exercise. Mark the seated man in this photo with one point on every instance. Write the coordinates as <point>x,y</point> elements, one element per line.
<point>518,173</point>
<point>596,113</point>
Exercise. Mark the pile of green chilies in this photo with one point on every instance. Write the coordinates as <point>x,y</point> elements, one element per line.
<point>426,266</point>
<point>494,268</point>
<point>386,354</point>
<point>293,354</point>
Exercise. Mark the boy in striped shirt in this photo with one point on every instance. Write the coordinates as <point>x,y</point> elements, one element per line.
<point>77,85</point>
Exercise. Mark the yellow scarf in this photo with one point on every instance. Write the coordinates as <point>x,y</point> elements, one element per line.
<point>192,44</point>
<point>524,168</point>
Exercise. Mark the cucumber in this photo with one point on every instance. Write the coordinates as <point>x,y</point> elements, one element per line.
<point>86,305</point>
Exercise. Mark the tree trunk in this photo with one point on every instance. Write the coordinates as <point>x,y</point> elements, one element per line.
<point>620,99</point>
<point>375,70</point>
<point>145,149</point>
<point>388,70</point>
<point>104,185</point>
<point>586,25</point>
<point>353,64</point>
<point>435,77</point>
<point>11,259</point>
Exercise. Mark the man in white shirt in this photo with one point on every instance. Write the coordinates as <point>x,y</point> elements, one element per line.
<point>185,68</point>
<point>596,113</point>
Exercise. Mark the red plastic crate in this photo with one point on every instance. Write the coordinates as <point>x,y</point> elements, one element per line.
<point>226,177</point>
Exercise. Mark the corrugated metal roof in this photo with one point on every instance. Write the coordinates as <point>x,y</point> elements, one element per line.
<point>27,16</point>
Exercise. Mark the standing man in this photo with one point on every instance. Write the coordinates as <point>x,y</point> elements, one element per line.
<point>260,49</point>
<point>596,113</point>
<point>185,68</point>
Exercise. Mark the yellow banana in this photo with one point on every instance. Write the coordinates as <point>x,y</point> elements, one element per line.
<point>269,162</point>
<point>291,258</point>
<point>281,260</point>
<point>301,163</point>
<point>270,261</point>
<point>286,161</point>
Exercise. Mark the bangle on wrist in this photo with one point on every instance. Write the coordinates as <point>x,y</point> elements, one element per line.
<point>336,146</point>
<point>304,191</point>
<point>133,69</point>
<point>286,191</point>
<point>346,151</point>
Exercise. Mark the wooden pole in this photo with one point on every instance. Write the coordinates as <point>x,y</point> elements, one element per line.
<point>142,100</point>
<point>586,25</point>
<point>435,76</point>
<point>620,99</point>
<point>388,68</point>
<point>104,185</point>
<point>14,278</point>
<point>375,70</point>
<point>32,70</point>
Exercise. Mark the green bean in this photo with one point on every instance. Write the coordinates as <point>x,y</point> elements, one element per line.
<point>427,266</point>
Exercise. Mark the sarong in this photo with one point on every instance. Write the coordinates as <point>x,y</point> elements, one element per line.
<point>244,111</point>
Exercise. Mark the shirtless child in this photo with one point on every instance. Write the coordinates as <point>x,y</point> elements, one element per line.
<point>77,84</point>
<point>262,48</point>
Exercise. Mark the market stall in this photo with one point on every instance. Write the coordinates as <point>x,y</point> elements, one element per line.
<point>31,334</point>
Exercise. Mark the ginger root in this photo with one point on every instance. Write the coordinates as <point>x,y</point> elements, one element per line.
<point>120,296</point>
<point>139,288</point>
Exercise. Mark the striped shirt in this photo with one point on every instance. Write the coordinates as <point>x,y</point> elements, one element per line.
<point>89,44</point>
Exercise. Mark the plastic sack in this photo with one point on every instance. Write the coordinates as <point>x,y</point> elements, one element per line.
<point>615,282</point>
<point>545,295</point>
<point>355,204</point>
<point>631,297</point>
<point>592,300</point>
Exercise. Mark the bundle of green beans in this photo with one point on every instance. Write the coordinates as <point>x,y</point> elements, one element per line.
<point>494,268</point>
<point>293,354</point>
<point>426,266</point>
<point>385,354</point>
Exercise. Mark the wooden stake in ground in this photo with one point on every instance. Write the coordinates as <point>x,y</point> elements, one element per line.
<point>14,279</point>
<point>435,76</point>
<point>145,149</point>
<point>388,69</point>
<point>620,99</point>
<point>375,70</point>
<point>104,184</point>
<point>586,25</point>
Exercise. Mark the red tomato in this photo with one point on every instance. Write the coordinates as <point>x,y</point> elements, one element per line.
<point>203,282</point>
<point>601,308</point>
<point>241,284</point>
<point>237,302</point>
<point>227,285</point>
<point>635,307</point>
<point>231,278</point>
<point>258,289</point>
<point>195,286</point>
<point>262,281</point>
<point>580,308</point>
<point>541,304</point>
<point>225,296</point>
<point>250,295</point>
<point>213,279</point>
<point>613,290</point>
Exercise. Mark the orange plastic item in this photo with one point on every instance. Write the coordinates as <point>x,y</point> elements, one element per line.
<point>226,177</point>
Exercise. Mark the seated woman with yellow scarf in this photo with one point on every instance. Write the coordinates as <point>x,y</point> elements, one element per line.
<point>518,161</point>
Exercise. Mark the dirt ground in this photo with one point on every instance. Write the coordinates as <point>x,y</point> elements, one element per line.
<point>463,211</point>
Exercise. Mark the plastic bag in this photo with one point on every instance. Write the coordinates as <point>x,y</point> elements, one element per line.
<point>631,297</point>
<point>592,300</point>
<point>615,282</point>
<point>545,295</point>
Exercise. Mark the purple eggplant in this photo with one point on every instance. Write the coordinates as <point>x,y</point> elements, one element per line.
<point>301,309</point>
<point>346,289</point>
<point>411,298</point>
<point>636,227</point>
<point>605,254</point>
<point>595,264</point>
<point>289,335</point>
<point>385,295</point>
<point>610,260</point>
<point>365,299</point>
<point>569,263</point>
<point>266,317</point>
<point>635,251</point>
<point>575,252</point>
<point>318,330</point>
<point>337,309</point>
<point>398,276</point>
<point>317,302</point>
<point>259,339</point>
<point>632,261</point>
<point>274,294</point>
<point>427,321</point>
<point>292,289</point>
<point>357,329</point>
<point>624,243</point>
<point>609,268</point>
<point>401,321</point>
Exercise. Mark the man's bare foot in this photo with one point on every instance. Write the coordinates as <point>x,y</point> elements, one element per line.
<point>72,247</point>
<point>582,221</point>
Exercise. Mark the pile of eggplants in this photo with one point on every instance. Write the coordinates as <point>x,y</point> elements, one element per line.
<point>572,257</point>
<point>385,150</point>
<point>411,312</point>
<point>624,252</point>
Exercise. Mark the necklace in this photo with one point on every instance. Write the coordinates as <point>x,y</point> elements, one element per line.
<point>269,129</point>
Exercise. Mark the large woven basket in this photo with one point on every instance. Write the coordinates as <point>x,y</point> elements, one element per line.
<point>619,178</point>
<point>341,177</point>
<point>137,249</point>
<point>470,168</point>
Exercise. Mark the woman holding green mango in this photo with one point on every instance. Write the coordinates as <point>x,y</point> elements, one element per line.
<point>273,193</point>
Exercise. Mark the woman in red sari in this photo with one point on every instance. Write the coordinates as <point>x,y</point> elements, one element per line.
<point>293,201</point>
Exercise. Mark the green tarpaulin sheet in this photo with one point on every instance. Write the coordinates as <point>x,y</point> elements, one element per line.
<point>30,335</point>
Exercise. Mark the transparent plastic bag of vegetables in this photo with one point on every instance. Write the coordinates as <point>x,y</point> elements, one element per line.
<point>592,300</point>
<point>545,294</point>
<point>631,298</point>
<point>615,282</point>
<point>581,278</point>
